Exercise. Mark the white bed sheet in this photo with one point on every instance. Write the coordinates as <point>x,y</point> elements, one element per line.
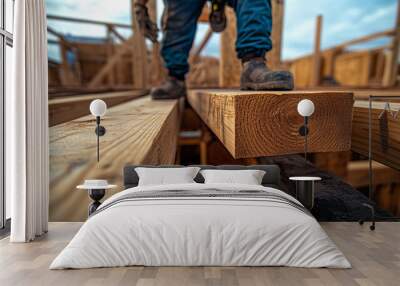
<point>202,232</point>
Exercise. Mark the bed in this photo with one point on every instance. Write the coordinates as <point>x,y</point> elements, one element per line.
<point>197,224</point>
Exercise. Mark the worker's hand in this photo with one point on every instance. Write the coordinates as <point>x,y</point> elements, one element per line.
<point>147,27</point>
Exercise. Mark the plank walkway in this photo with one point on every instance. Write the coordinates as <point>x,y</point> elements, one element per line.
<point>66,108</point>
<point>141,131</point>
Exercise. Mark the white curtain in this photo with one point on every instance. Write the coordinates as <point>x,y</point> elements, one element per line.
<point>27,146</point>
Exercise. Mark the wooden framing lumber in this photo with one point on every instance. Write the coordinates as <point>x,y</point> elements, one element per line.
<point>316,74</point>
<point>259,123</point>
<point>157,69</point>
<point>86,21</point>
<point>111,62</point>
<point>394,63</point>
<point>230,67</point>
<point>110,52</point>
<point>205,14</point>
<point>139,53</point>
<point>67,108</point>
<point>197,51</point>
<point>358,174</point>
<point>274,56</point>
<point>141,131</point>
<point>385,132</point>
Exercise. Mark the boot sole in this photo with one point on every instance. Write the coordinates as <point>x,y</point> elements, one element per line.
<point>271,85</point>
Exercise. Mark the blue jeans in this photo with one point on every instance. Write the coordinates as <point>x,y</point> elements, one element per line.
<point>254,25</point>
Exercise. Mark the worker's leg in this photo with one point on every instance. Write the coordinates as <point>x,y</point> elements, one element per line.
<point>179,26</point>
<point>254,26</point>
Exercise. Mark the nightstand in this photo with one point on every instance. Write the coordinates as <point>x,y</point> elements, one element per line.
<point>305,189</point>
<point>96,190</point>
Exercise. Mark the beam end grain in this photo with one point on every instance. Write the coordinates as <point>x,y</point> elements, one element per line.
<point>261,123</point>
<point>141,131</point>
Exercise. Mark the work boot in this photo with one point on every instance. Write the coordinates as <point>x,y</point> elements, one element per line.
<point>257,76</point>
<point>172,88</point>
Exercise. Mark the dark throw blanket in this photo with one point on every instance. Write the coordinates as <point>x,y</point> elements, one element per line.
<point>335,200</point>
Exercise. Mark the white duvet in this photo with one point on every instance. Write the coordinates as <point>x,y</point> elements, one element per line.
<point>193,231</point>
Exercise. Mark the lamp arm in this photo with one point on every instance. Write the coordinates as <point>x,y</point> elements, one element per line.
<point>306,137</point>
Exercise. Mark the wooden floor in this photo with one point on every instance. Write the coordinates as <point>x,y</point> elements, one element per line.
<point>375,257</point>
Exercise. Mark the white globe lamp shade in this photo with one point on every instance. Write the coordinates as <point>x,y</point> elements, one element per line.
<point>98,107</point>
<point>305,107</point>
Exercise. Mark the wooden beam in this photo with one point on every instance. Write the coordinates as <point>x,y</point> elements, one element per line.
<point>139,54</point>
<point>86,21</point>
<point>333,162</point>
<point>205,14</point>
<point>67,77</point>
<point>111,62</point>
<point>110,52</point>
<point>117,34</point>
<point>358,174</point>
<point>141,131</point>
<point>197,51</point>
<point>394,64</point>
<point>385,132</point>
<point>274,56</point>
<point>254,124</point>
<point>386,33</point>
<point>158,71</point>
<point>67,108</point>
<point>316,74</point>
<point>230,66</point>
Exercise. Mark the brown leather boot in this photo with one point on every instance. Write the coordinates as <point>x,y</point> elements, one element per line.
<point>257,76</point>
<point>172,88</point>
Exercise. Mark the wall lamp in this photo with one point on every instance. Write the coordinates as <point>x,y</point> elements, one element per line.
<point>98,108</point>
<point>305,108</point>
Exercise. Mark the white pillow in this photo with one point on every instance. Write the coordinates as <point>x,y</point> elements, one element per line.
<point>165,176</point>
<point>248,177</point>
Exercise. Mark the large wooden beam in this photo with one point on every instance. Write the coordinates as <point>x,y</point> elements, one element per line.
<point>141,131</point>
<point>254,124</point>
<point>385,132</point>
<point>66,108</point>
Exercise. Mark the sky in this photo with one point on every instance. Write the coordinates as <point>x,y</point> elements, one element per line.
<point>343,20</point>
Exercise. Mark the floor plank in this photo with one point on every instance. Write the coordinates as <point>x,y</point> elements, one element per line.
<point>375,257</point>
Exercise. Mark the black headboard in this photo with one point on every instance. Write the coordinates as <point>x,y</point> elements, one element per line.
<point>271,178</point>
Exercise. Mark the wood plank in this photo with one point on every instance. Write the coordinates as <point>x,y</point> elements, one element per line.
<point>141,131</point>
<point>394,63</point>
<point>67,108</point>
<point>358,174</point>
<point>385,133</point>
<point>111,62</point>
<point>230,66</point>
<point>139,54</point>
<point>274,56</point>
<point>316,75</point>
<point>205,14</point>
<point>253,124</point>
<point>354,68</point>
